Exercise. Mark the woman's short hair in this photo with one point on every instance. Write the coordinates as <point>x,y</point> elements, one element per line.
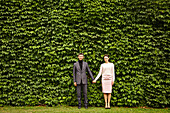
<point>106,55</point>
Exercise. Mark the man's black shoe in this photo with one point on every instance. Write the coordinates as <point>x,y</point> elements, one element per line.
<point>86,106</point>
<point>79,106</point>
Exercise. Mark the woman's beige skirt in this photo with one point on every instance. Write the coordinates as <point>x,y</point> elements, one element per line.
<point>106,85</point>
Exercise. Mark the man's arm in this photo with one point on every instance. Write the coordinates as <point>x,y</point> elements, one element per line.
<point>74,73</point>
<point>90,73</point>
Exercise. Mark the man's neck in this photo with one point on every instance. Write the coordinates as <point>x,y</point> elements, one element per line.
<point>80,60</point>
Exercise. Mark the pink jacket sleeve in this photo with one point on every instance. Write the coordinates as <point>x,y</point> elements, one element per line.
<point>113,73</point>
<point>100,73</point>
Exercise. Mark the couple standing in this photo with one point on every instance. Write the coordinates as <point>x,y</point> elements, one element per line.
<point>80,79</point>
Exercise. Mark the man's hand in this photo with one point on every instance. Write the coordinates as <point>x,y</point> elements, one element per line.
<point>94,81</point>
<point>75,84</point>
<point>112,82</point>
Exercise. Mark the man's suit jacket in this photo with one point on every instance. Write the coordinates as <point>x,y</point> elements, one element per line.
<point>79,74</point>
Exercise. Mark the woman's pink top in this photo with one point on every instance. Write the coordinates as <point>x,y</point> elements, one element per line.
<point>107,71</point>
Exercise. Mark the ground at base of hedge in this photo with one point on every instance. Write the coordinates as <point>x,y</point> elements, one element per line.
<point>74,109</point>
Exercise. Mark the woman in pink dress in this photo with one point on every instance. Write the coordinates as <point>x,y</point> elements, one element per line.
<point>108,77</point>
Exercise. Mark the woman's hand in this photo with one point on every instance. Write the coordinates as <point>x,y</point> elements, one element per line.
<point>112,82</point>
<point>94,81</point>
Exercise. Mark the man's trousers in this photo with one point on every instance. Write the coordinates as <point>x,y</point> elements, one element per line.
<point>79,87</point>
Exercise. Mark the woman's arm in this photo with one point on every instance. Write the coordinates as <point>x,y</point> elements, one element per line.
<point>100,72</point>
<point>113,73</point>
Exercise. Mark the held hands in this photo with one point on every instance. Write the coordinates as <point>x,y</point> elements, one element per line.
<point>75,84</point>
<point>112,82</point>
<point>94,81</point>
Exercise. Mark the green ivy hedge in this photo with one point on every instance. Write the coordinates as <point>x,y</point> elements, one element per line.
<point>40,40</point>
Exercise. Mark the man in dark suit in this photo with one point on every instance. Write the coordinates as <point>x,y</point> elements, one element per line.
<point>80,78</point>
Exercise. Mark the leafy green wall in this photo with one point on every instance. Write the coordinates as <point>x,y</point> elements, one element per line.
<point>40,40</point>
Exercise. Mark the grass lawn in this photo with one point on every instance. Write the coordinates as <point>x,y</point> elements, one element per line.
<point>74,109</point>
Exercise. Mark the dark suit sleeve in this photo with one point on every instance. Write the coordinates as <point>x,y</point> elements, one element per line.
<point>90,73</point>
<point>74,73</point>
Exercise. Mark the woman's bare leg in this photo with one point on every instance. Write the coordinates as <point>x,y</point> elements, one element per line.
<point>105,98</point>
<point>109,97</point>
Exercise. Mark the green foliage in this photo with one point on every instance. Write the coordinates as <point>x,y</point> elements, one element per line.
<point>40,40</point>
